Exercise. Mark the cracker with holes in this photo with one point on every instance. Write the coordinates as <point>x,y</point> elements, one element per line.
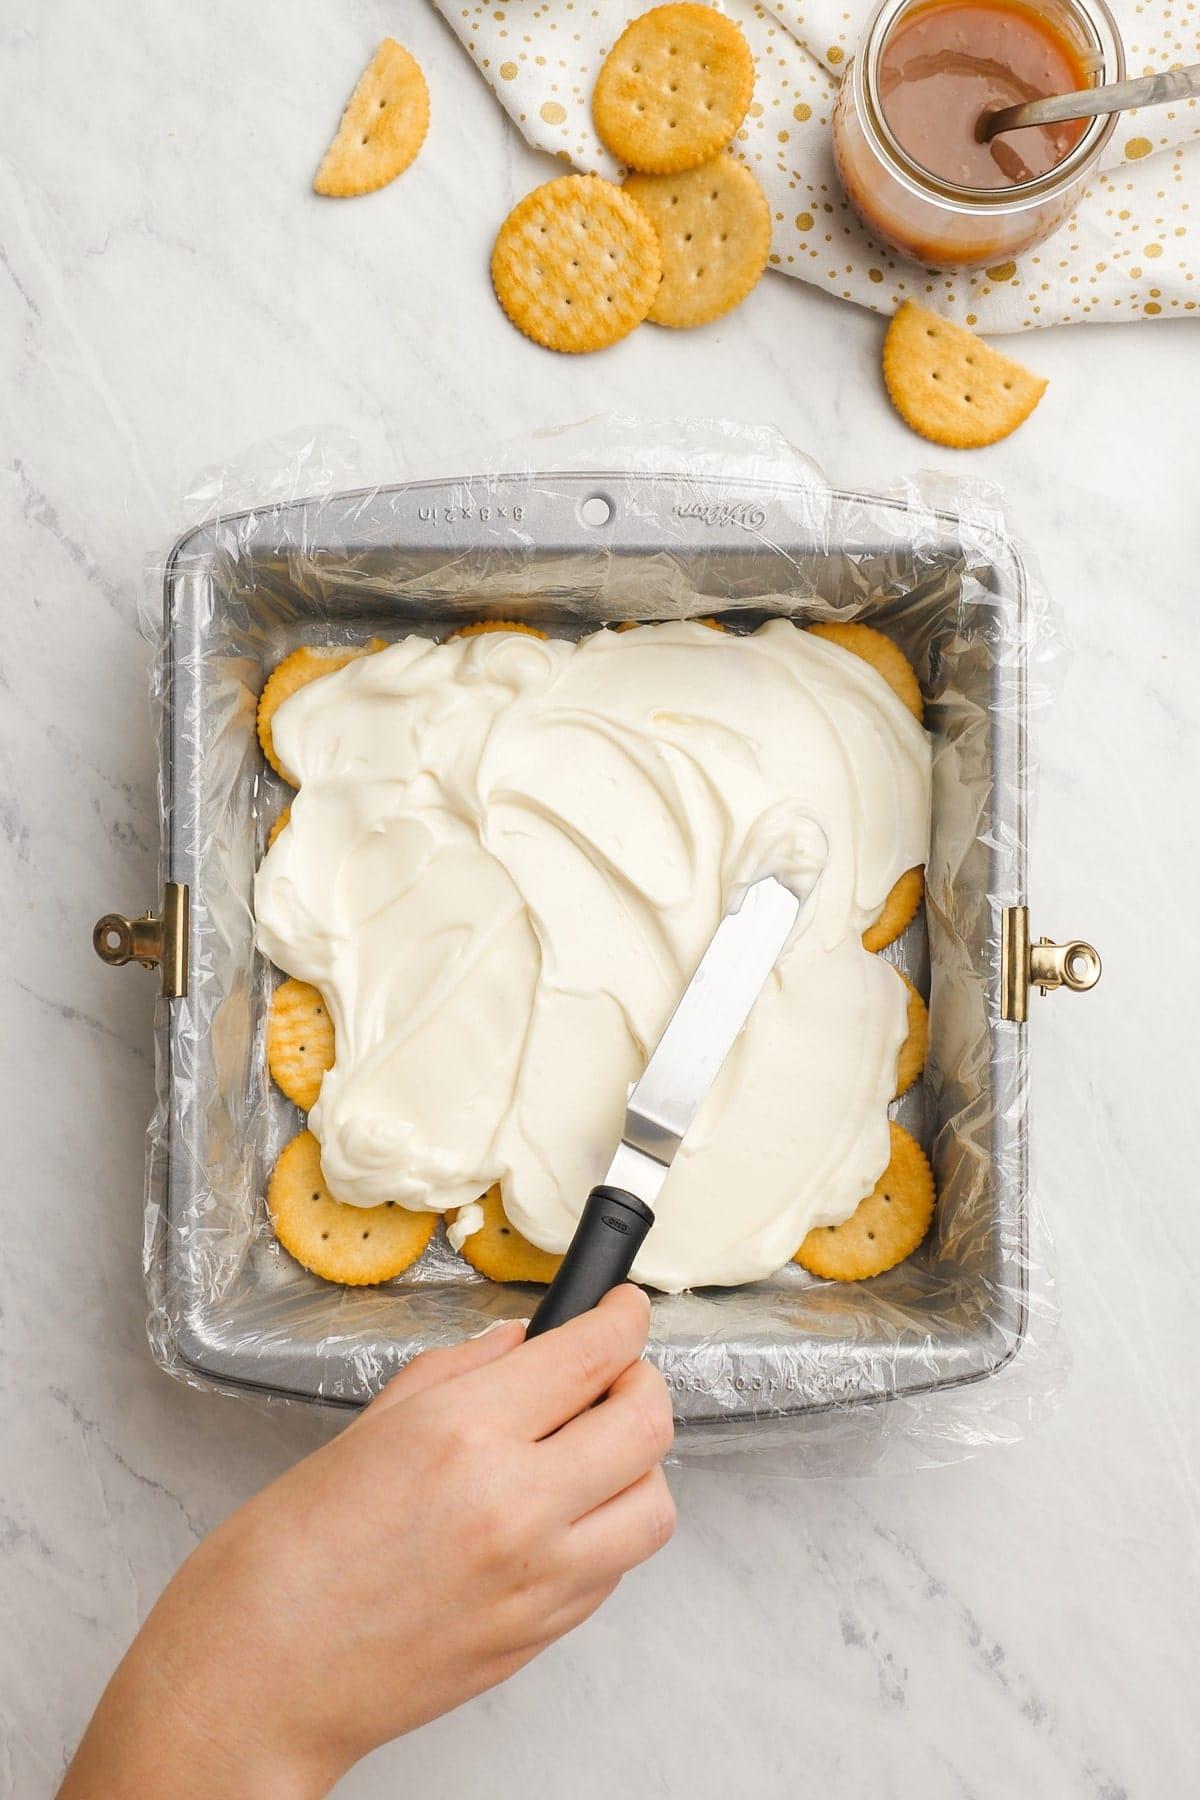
<point>576,264</point>
<point>714,229</point>
<point>498,1250</point>
<point>356,1245</point>
<point>382,128</point>
<point>950,386</point>
<point>299,1041</point>
<point>884,1228</point>
<point>673,89</point>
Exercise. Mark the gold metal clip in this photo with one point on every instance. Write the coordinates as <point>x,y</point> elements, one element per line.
<point>155,942</point>
<point>1044,965</point>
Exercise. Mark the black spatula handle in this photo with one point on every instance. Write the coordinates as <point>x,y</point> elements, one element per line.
<point>599,1257</point>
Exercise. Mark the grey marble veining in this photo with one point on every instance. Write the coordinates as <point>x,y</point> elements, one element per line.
<point>170,293</point>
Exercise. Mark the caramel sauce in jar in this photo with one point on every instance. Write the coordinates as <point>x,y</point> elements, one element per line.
<point>950,61</point>
<point>905,122</point>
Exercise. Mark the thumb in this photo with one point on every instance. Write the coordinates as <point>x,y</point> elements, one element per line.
<point>436,1366</point>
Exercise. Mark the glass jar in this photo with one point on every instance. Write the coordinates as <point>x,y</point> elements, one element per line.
<point>935,222</point>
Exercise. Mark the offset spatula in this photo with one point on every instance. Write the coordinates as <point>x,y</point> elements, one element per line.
<point>699,1036</point>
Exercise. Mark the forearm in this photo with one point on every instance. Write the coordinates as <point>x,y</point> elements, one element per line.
<point>197,1728</point>
<point>142,1741</point>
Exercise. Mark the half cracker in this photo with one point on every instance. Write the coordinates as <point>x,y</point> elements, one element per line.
<point>382,128</point>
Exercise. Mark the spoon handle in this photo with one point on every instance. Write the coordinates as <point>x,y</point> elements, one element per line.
<point>1116,96</point>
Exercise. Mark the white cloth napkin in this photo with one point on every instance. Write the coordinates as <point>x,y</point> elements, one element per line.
<point>1131,250</point>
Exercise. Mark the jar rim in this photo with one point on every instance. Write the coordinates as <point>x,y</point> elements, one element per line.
<point>1105,42</point>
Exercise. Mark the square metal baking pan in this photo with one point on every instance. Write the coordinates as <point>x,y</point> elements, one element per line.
<point>570,552</point>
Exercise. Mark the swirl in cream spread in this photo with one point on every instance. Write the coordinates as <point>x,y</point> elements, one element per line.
<point>504,862</point>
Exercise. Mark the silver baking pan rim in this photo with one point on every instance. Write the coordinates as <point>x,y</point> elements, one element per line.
<point>724,524</point>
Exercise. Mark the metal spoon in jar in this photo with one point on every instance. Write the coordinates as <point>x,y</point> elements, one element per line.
<point>1087,103</point>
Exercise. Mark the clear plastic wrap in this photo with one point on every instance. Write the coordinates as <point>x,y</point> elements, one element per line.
<point>954,1349</point>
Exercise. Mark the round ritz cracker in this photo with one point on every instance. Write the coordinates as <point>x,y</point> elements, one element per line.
<point>382,128</point>
<point>915,1047</point>
<point>714,229</point>
<point>498,1250</point>
<point>356,1245</point>
<point>888,660</point>
<point>576,264</point>
<point>884,1228</point>
<point>299,1041</point>
<point>482,628</point>
<point>950,386</point>
<point>288,677</point>
<point>673,89</point>
<point>899,911</point>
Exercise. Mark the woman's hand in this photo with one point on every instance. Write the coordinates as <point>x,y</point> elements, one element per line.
<point>486,1502</point>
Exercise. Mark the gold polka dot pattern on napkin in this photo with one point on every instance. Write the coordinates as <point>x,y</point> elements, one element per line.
<point>1131,251</point>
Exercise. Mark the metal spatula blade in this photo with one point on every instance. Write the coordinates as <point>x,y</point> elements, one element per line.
<point>662,1105</point>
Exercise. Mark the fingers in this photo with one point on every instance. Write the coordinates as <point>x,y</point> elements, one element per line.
<point>550,1380</point>
<point>623,1532</point>
<point>437,1366</point>
<point>606,1449</point>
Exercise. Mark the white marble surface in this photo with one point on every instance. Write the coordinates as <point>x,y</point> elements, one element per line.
<point>1019,1624</point>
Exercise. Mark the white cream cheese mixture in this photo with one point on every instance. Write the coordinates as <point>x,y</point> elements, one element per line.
<point>504,861</point>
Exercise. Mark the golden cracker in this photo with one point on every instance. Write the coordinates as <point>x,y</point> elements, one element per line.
<point>498,1250</point>
<point>673,89</point>
<point>884,1228</point>
<point>294,672</point>
<point>576,264</point>
<point>899,910</point>
<point>280,824</point>
<point>382,128</point>
<point>482,627</point>
<point>299,1041</point>
<point>886,658</point>
<point>714,229</point>
<point>915,1047</point>
<point>950,386</point>
<point>356,1245</point>
<point>889,661</point>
